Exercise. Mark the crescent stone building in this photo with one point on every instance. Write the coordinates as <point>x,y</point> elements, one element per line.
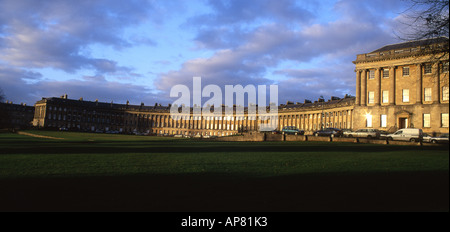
<point>397,86</point>
<point>404,85</point>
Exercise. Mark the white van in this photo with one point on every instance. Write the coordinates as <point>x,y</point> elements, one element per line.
<point>407,134</point>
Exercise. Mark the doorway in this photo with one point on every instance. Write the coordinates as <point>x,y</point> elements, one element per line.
<point>402,123</point>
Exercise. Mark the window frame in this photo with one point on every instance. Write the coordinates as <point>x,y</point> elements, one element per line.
<point>405,71</point>
<point>426,122</point>
<point>383,120</point>
<point>444,120</point>
<point>385,96</point>
<point>445,93</point>
<point>371,74</point>
<point>386,73</point>
<point>445,67</point>
<point>427,94</point>
<point>371,97</point>
<point>427,68</point>
<point>405,99</point>
<point>369,121</point>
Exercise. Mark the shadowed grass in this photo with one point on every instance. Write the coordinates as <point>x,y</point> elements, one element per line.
<point>82,154</point>
<point>98,172</point>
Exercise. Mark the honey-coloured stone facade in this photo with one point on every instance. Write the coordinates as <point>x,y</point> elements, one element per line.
<point>404,85</point>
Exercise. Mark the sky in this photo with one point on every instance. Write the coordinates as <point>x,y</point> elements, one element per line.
<point>137,50</point>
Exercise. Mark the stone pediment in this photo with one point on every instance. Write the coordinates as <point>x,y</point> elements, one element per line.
<point>403,112</point>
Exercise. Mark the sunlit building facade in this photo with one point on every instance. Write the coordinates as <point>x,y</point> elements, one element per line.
<point>397,86</point>
<point>404,85</point>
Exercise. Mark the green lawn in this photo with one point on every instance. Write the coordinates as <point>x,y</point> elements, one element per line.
<point>88,154</point>
<point>101,172</point>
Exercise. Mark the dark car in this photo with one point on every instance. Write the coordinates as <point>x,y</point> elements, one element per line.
<point>292,130</point>
<point>276,132</point>
<point>331,132</point>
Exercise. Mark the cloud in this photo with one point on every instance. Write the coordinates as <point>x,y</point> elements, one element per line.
<point>230,22</point>
<point>250,43</point>
<point>243,55</point>
<point>58,33</point>
<point>301,84</point>
<point>237,11</point>
<point>15,86</point>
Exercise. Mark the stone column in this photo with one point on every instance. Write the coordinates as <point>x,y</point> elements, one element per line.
<point>392,85</point>
<point>419,97</point>
<point>436,91</point>
<point>358,88</point>
<point>363,88</point>
<point>378,74</point>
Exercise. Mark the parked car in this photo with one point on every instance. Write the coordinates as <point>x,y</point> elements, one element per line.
<point>441,139</point>
<point>407,134</point>
<point>292,130</point>
<point>332,132</point>
<point>383,134</point>
<point>363,133</point>
<point>426,138</point>
<point>276,132</point>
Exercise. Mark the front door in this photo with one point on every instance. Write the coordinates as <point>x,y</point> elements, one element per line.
<point>402,123</point>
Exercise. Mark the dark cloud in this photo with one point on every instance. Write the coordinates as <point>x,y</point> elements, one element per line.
<point>56,33</point>
<point>17,87</point>
<point>246,38</point>
<point>245,54</point>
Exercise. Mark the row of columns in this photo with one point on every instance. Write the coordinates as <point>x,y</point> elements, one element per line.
<point>362,92</point>
<point>208,123</point>
<point>361,86</point>
<point>314,120</point>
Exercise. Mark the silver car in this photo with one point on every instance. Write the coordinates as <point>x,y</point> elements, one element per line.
<point>441,139</point>
<point>363,133</point>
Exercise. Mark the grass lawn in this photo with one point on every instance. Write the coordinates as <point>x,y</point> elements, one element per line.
<point>86,171</point>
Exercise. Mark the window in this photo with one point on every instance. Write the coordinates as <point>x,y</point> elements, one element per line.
<point>385,96</point>
<point>427,69</point>
<point>383,120</point>
<point>427,94</point>
<point>426,120</point>
<point>405,71</point>
<point>405,95</point>
<point>371,74</point>
<point>445,93</point>
<point>371,97</point>
<point>385,73</point>
<point>444,120</point>
<point>445,67</point>
<point>369,120</point>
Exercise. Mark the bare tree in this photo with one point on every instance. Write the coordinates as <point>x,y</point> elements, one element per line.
<point>426,19</point>
<point>2,96</point>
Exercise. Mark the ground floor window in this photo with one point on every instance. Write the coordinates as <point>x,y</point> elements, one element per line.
<point>383,120</point>
<point>369,120</point>
<point>426,120</point>
<point>444,119</point>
